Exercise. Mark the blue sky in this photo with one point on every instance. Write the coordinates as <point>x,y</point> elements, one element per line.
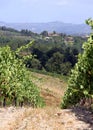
<point>28,11</point>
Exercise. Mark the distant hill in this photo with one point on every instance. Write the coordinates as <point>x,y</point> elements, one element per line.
<point>59,27</point>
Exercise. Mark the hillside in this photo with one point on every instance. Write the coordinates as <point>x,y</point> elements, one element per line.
<point>52,88</point>
<point>59,27</point>
<point>50,117</point>
<point>47,48</point>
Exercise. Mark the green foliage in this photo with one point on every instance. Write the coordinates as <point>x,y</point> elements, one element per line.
<point>80,84</point>
<point>56,64</point>
<point>90,22</point>
<point>24,47</point>
<point>44,33</point>
<point>44,47</point>
<point>57,58</point>
<point>33,63</point>
<point>8,29</point>
<point>16,86</point>
<point>28,33</point>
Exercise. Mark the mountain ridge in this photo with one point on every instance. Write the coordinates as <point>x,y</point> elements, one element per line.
<point>59,27</point>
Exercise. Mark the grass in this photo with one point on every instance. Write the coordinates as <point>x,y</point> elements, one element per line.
<point>52,88</point>
<point>60,76</point>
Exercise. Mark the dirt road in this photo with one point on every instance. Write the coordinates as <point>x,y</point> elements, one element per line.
<point>45,119</point>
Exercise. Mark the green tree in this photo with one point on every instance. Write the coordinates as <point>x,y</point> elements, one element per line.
<point>33,63</point>
<point>80,84</point>
<point>65,68</point>
<point>53,64</point>
<point>44,33</point>
<point>56,64</point>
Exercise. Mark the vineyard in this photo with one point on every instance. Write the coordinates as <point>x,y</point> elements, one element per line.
<point>80,84</point>
<point>50,117</point>
<point>22,92</point>
<point>16,87</point>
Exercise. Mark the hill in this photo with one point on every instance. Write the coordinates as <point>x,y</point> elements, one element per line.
<point>47,48</point>
<point>59,27</point>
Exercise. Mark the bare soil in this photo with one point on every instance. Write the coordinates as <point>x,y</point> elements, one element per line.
<point>50,117</point>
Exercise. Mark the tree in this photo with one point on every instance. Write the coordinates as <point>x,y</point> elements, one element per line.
<point>80,84</point>
<point>53,64</point>
<point>33,63</point>
<point>44,33</point>
<point>56,64</point>
<point>71,55</point>
<point>65,68</point>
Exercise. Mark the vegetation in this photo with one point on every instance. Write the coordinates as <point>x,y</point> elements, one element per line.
<point>80,85</point>
<point>53,52</point>
<point>16,86</point>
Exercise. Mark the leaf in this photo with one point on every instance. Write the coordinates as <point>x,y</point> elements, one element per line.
<point>85,92</point>
<point>81,86</point>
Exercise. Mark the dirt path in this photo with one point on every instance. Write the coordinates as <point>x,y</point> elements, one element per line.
<point>56,120</point>
<point>45,119</point>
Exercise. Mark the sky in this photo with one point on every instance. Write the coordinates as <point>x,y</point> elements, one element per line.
<point>37,11</point>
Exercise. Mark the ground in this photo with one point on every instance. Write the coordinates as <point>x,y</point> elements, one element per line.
<point>51,117</point>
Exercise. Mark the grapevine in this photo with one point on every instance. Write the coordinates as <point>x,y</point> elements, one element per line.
<point>80,84</point>
<point>16,87</point>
